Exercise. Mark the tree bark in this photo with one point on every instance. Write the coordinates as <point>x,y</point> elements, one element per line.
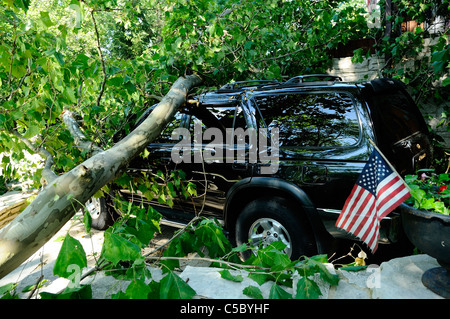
<point>60,199</point>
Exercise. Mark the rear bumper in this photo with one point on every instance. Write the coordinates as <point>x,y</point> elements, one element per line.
<point>390,226</point>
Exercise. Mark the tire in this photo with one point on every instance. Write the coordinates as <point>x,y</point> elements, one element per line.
<point>264,221</point>
<point>102,216</point>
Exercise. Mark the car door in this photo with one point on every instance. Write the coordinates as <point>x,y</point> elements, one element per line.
<point>156,164</point>
<point>322,148</point>
<point>219,156</point>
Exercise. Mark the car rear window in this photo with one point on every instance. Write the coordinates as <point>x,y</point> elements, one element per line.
<point>395,116</point>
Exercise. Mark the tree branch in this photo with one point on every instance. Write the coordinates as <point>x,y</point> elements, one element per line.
<point>47,174</point>
<point>219,261</point>
<point>80,139</point>
<point>21,81</point>
<point>99,50</point>
<point>80,87</point>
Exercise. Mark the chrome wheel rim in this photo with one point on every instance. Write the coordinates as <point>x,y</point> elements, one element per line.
<point>93,207</point>
<point>265,231</point>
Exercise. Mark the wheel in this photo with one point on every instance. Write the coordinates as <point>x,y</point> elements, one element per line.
<point>264,221</point>
<point>102,216</point>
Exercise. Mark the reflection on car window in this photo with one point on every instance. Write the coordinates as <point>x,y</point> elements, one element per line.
<point>311,120</point>
<point>166,135</point>
<point>395,116</point>
<point>221,118</point>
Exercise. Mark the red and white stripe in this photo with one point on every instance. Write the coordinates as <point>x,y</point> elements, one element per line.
<point>363,212</point>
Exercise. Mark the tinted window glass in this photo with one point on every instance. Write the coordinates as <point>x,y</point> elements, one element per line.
<point>221,118</point>
<point>312,120</point>
<point>166,135</point>
<point>396,116</point>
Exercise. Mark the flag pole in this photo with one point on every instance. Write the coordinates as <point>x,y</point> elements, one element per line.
<point>387,161</point>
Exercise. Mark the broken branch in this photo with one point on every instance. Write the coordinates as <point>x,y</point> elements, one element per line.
<point>80,139</point>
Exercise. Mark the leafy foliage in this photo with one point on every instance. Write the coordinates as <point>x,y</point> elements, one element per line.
<point>427,75</point>
<point>206,235</point>
<point>122,257</point>
<point>429,191</point>
<point>271,264</point>
<point>106,60</point>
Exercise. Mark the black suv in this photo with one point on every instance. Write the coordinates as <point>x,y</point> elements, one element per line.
<point>277,160</point>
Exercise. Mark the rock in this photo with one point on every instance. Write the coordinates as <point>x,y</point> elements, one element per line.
<point>400,278</point>
<point>353,284</point>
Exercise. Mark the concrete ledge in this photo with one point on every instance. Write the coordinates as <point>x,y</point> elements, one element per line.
<point>398,278</point>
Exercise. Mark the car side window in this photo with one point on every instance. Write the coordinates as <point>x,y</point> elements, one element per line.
<point>325,119</point>
<point>222,118</point>
<point>166,134</point>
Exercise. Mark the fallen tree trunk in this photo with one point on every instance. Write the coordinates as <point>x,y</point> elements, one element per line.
<point>60,199</point>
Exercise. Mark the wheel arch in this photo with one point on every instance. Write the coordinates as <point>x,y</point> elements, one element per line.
<point>250,189</point>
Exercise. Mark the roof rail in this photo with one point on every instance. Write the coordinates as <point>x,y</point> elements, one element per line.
<point>242,84</point>
<point>321,77</point>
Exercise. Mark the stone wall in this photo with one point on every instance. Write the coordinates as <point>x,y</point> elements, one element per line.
<point>369,69</point>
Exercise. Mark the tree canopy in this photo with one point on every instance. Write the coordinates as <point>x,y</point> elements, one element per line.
<point>106,60</point>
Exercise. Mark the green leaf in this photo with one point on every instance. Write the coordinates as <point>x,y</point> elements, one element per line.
<point>45,19</point>
<point>173,287</point>
<point>253,292</point>
<point>22,4</point>
<point>240,248</point>
<point>353,268</point>
<point>116,248</point>
<point>324,272</point>
<point>260,278</point>
<point>32,131</point>
<point>5,291</point>
<point>428,203</point>
<point>418,195</point>
<point>29,288</point>
<point>446,81</point>
<point>320,258</point>
<point>143,231</point>
<point>440,208</point>
<point>209,234</point>
<point>138,289</point>
<point>59,57</point>
<point>70,94</point>
<point>87,221</point>
<point>307,289</point>
<point>273,257</point>
<point>71,258</point>
<point>225,274</point>
<point>83,292</point>
<point>276,292</point>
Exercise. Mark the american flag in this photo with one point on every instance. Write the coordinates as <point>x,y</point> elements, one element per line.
<point>378,191</point>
